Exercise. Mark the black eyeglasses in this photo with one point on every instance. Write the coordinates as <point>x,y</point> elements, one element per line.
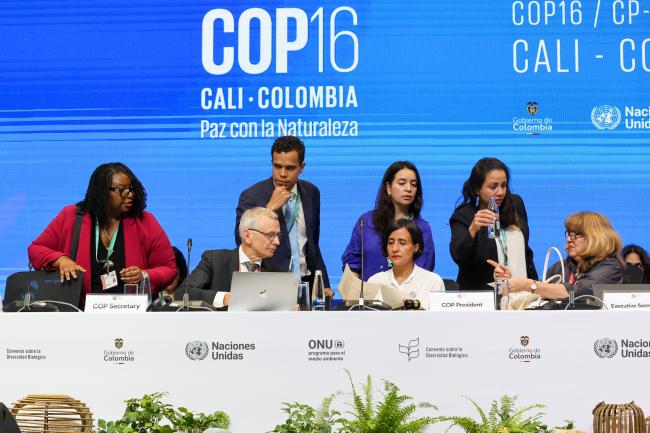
<point>268,235</point>
<point>572,236</point>
<point>122,191</point>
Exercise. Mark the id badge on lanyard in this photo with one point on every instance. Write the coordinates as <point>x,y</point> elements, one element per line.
<point>109,277</point>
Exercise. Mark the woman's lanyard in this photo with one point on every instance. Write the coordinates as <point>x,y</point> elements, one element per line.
<point>109,251</point>
<point>502,242</point>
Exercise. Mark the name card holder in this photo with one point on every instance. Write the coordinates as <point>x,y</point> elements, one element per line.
<point>480,300</point>
<point>627,300</point>
<point>116,304</point>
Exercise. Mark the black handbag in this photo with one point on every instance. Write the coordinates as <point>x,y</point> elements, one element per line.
<point>45,288</point>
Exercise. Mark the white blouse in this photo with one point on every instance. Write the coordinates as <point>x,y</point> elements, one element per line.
<point>415,286</point>
<point>516,250</point>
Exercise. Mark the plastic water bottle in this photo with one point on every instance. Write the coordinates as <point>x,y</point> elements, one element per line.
<point>318,292</point>
<point>494,229</point>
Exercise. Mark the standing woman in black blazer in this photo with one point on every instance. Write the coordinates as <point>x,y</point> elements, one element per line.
<point>470,246</point>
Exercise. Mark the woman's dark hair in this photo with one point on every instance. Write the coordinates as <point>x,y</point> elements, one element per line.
<point>471,187</point>
<point>181,266</point>
<point>643,255</point>
<point>384,213</point>
<point>414,231</point>
<point>96,200</point>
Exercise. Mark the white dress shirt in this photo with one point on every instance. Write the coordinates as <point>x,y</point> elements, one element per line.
<point>415,286</point>
<point>243,258</point>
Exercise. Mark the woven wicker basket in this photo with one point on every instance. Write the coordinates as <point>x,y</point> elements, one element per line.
<point>52,414</point>
<point>618,418</point>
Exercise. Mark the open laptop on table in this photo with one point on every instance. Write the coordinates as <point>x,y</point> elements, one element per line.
<point>263,291</point>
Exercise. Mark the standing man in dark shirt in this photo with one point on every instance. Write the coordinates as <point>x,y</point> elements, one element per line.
<point>297,203</point>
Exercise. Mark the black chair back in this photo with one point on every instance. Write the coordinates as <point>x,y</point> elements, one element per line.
<point>7,421</point>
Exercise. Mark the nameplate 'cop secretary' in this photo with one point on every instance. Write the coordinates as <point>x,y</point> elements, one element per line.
<point>108,303</point>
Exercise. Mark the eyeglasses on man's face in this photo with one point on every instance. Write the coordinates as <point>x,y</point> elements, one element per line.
<point>572,236</point>
<point>270,236</point>
<point>122,191</point>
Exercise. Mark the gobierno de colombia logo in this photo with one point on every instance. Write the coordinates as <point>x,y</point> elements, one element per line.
<point>532,124</point>
<point>524,353</point>
<point>118,354</point>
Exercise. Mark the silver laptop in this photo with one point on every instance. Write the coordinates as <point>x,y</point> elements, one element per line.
<point>599,289</point>
<point>263,291</point>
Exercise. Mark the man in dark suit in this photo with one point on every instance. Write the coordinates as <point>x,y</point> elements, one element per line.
<point>210,281</point>
<point>297,204</point>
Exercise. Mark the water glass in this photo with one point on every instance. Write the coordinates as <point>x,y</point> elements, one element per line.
<point>303,300</point>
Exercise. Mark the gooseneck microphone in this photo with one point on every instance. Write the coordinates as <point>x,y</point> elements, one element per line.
<point>28,293</point>
<point>361,305</point>
<point>186,295</point>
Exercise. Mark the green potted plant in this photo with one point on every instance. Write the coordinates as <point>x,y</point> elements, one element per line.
<point>303,418</point>
<point>149,414</point>
<point>502,417</point>
<point>391,415</point>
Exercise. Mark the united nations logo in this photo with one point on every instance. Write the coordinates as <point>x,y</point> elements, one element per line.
<point>339,344</point>
<point>606,117</point>
<point>605,347</point>
<point>197,350</point>
<point>524,340</point>
<point>119,342</point>
<point>532,108</point>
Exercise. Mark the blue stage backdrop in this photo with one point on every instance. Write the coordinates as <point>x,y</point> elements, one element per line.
<point>191,95</point>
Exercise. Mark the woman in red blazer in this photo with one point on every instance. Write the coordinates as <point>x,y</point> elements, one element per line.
<point>118,242</point>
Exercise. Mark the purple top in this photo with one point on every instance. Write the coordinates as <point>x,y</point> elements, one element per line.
<point>374,260</point>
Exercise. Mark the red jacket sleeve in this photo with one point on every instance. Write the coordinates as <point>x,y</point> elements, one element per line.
<point>160,258</point>
<point>51,244</point>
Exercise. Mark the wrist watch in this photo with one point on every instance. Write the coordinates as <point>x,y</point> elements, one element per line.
<point>533,286</point>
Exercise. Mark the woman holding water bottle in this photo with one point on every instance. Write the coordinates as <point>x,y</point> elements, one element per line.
<point>479,234</point>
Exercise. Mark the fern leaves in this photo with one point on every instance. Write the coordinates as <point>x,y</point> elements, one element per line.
<point>502,417</point>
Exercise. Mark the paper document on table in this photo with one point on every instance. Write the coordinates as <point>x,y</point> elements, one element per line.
<point>350,287</point>
<point>392,296</point>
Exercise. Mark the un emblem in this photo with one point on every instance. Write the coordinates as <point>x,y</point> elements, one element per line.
<point>606,116</point>
<point>605,347</point>
<point>196,350</point>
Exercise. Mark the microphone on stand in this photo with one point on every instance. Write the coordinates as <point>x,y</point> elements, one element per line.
<point>361,305</point>
<point>27,300</point>
<point>572,298</point>
<point>186,295</point>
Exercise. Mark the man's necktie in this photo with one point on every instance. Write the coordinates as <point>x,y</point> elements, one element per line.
<point>252,266</point>
<point>290,218</point>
